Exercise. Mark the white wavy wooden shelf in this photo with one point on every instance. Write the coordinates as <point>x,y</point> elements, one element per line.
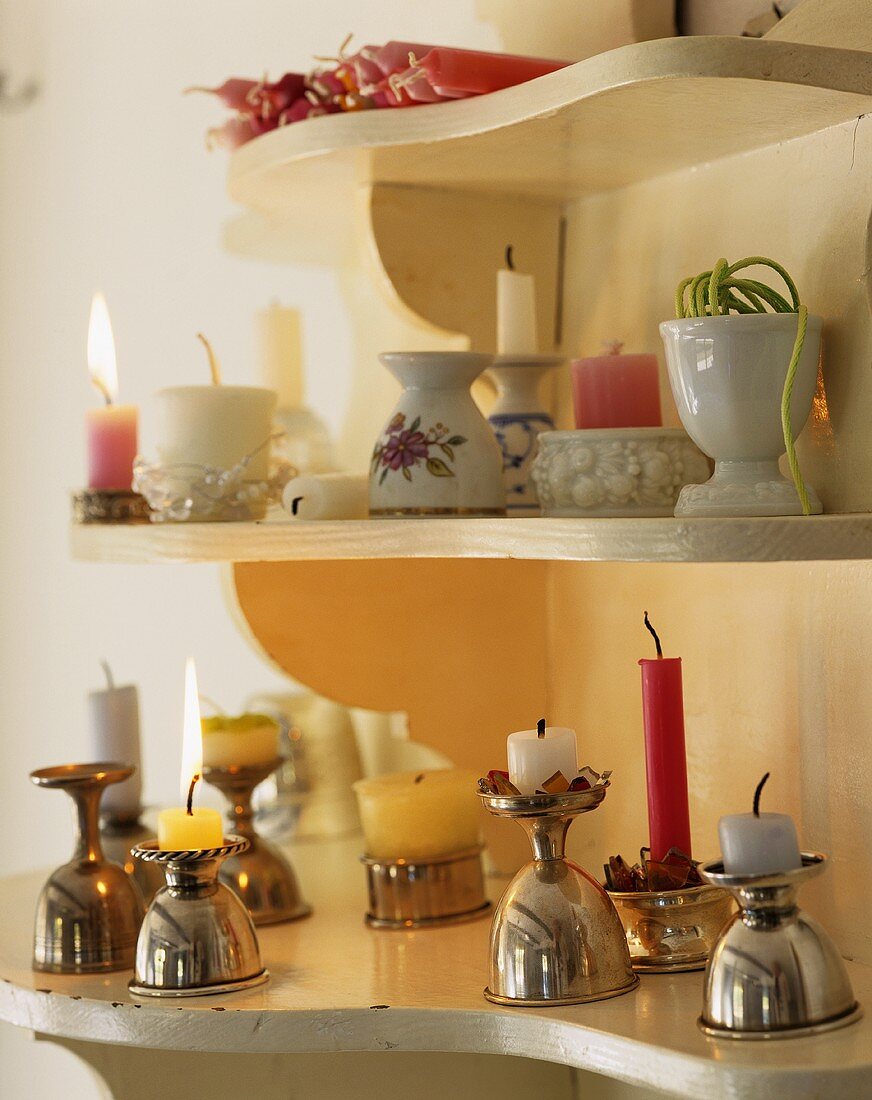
<point>640,540</point>
<point>616,118</point>
<point>337,985</point>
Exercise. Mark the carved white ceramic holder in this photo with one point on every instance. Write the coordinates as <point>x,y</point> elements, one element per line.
<point>615,471</point>
<point>727,376</point>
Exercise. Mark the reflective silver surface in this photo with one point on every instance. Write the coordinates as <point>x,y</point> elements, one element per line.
<point>118,837</point>
<point>261,875</point>
<point>197,937</point>
<point>89,911</point>
<point>425,893</point>
<point>672,930</point>
<point>774,972</point>
<point>556,937</point>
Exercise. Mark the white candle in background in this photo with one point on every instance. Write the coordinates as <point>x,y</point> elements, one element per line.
<point>759,844</point>
<point>534,757</point>
<point>327,496</point>
<point>280,349</point>
<point>516,311</point>
<point>114,721</point>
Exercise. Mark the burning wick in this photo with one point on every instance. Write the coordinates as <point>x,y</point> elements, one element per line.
<point>757,794</point>
<point>214,366</point>
<point>194,782</point>
<point>653,633</point>
<point>540,727</point>
<point>419,778</point>
<point>295,504</point>
<point>510,263</point>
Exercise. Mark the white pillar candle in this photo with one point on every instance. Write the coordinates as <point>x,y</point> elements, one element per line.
<point>516,311</point>
<point>281,353</point>
<point>759,844</point>
<point>533,758</point>
<point>216,426</point>
<point>244,741</point>
<point>327,496</point>
<point>417,815</point>
<point>114,722</point>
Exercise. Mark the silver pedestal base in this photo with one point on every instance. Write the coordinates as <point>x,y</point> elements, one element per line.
<point>516,1002</point>
<point>141,990</point>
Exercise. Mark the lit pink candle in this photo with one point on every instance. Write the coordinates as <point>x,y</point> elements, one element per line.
<point>616,391</point>
<point>112,429</point>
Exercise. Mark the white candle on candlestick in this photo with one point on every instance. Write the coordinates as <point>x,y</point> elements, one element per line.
<point>516,310</point>
<point>535,755</point>
<point>759,844</point>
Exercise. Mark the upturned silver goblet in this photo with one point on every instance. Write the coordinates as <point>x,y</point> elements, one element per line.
<point>774,972</point>
<point>260,874</point>
<point>556,938</point>
<point>197,937</point>
<point>89,911</point>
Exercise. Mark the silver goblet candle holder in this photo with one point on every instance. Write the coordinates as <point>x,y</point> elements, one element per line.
<point>89,911</point>
<point>556,938</point>
<point>774,972</point>
<point>197,937</point>
<point>119,835</point>
<point>260,874</point>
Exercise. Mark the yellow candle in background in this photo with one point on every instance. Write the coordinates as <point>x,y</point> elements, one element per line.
<point>188,827</point>
<point>417,815</point>
<point>250,739</point>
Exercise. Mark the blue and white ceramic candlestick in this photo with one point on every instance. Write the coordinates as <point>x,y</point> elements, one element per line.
<point>517,418</point>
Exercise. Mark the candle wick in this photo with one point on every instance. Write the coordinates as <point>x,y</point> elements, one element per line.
<point>653,632</point>
<point>190,804</point>
<point>214,365</point>
<point>295,504</point>
<point>757,794</point>
<point>419,778</point>
<point>510,263</point>
<point>540,728</point>
<point>107,672</point>
<point>104,392</point>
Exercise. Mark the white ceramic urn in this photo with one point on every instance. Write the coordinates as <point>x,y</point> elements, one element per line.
<point>727,376</point>
<point>437,455</point>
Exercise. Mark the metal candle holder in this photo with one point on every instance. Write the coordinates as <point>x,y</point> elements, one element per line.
<point>425,893</point>
<point>556,938</point>
<point>672,930</point>
<point>119,835</point>
<point>774,972</point>
<point>89,911</point>
<point>260,874</point>
<point>197,937</point>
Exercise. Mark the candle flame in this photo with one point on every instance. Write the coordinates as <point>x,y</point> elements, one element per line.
<point>101,350</point>
<point>192,736</point>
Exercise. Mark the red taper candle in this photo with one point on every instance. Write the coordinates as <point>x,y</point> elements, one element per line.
<point>665,757</point>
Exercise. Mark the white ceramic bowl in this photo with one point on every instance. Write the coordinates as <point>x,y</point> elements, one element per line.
<point>615,471</point>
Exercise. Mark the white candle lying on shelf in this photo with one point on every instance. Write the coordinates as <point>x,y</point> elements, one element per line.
<point>327,496</point>
<point>417,815</point>
<point>759,844</point>
<point>516,310</point>
<point>114,721</point>
<point>239,742</point>
<point>535,755</point>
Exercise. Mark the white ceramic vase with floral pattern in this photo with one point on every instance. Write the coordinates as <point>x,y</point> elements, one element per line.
<point>437,455</point>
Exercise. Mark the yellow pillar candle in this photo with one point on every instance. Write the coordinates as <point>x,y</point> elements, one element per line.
<point>417,815</point>
<point>250,739</point>
<point>188,827</point>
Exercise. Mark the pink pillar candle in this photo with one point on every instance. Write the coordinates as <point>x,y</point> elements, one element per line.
<point>112,446</point>
<point>616,391</point>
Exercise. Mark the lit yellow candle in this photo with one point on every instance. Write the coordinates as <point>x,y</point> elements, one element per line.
<point>250,739</point>
<point>183,828</point>
<point>416,815</point>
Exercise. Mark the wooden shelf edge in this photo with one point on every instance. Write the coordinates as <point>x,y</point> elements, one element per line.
<point>818,538</point>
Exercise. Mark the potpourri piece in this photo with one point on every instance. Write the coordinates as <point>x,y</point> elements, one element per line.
<point>497,782</point>
<point>676,871</point>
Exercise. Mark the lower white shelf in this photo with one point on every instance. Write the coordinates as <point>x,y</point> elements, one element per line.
<point>339,986</point>
<point>797,538</point>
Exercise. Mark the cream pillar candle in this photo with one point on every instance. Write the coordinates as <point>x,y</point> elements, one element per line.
<point>239,742</point>
<point>516,311</point>
<point>418,815</point>
<point>114,721</point>
<point>189,826</point>
<point>281,353</point>
<point>535,755</point>
<point>759,844</point>
<point>327,496</point>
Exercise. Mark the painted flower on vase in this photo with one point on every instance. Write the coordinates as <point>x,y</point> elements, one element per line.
<point>404,448</point>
